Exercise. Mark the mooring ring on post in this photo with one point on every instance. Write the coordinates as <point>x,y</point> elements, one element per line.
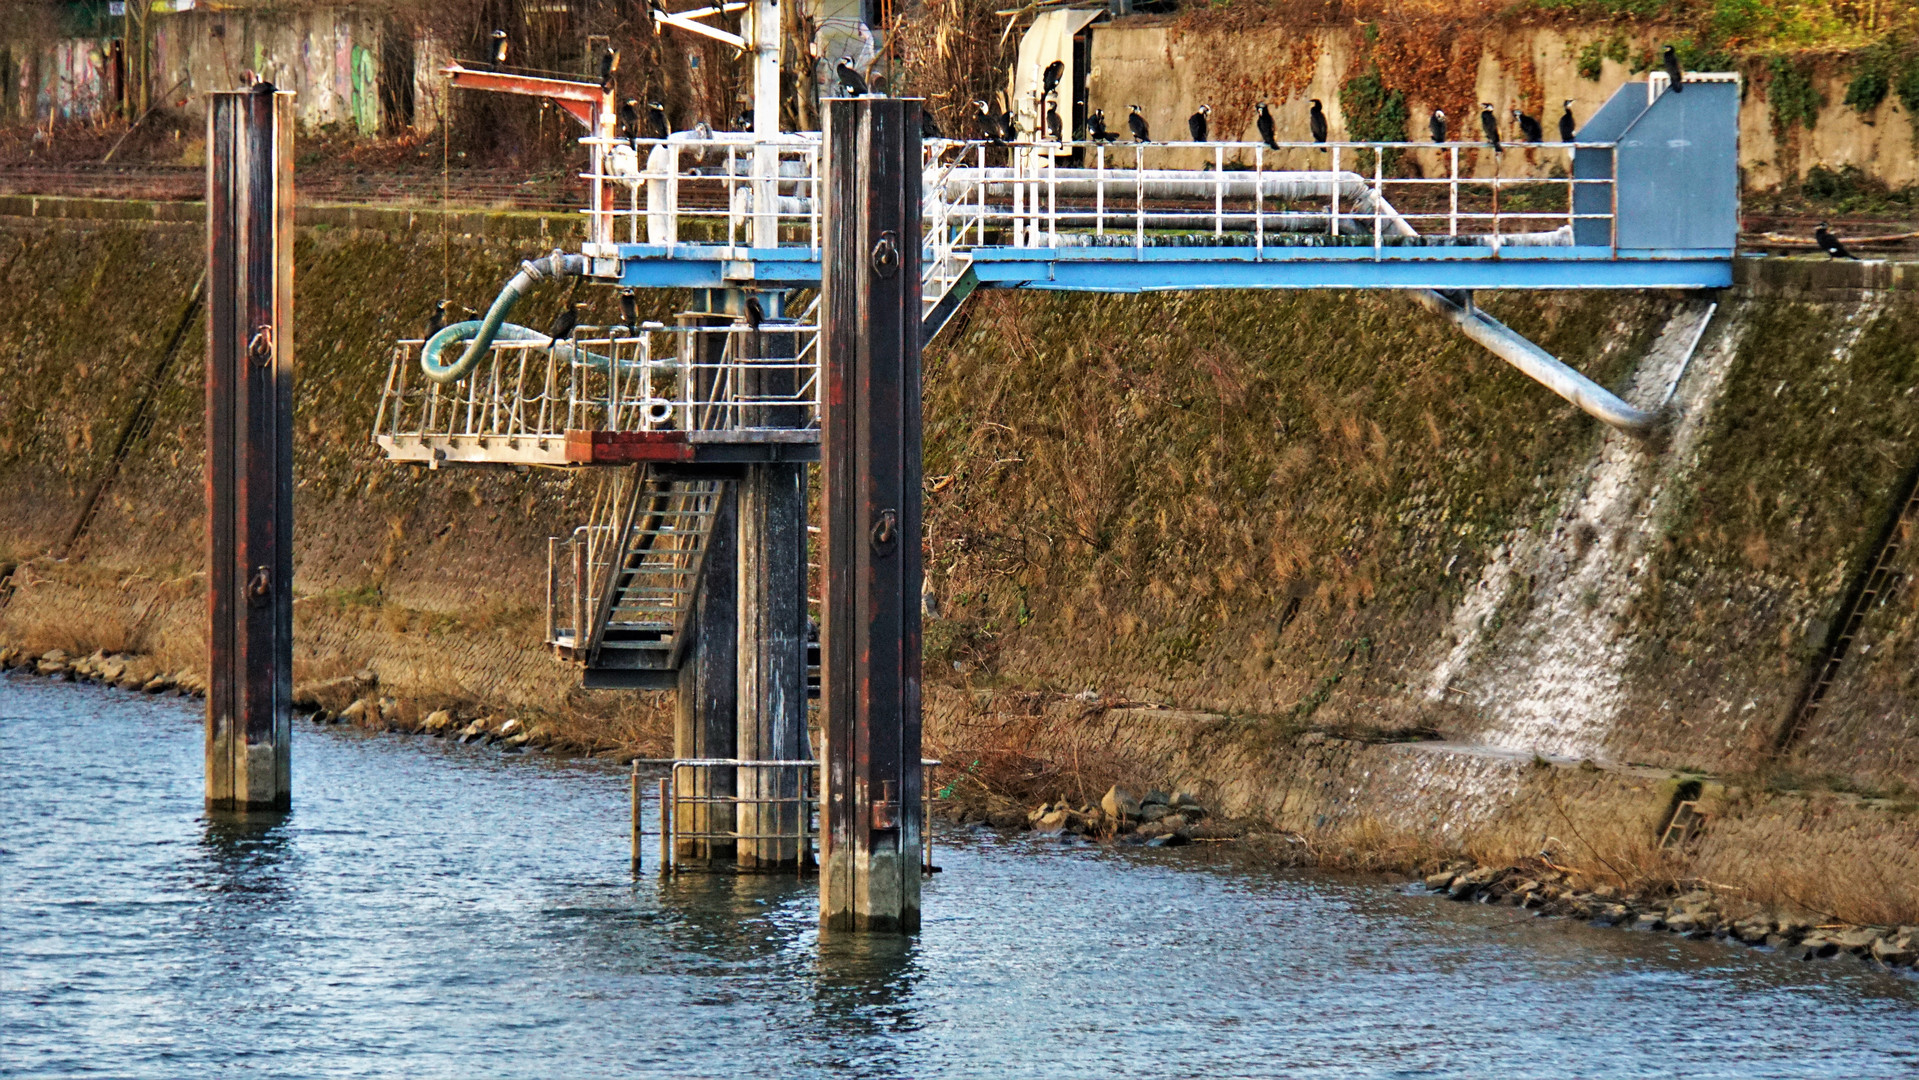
<point>886,532</point>
<point>261,347</point>
<point>886,255</point>
<point>260,587</point>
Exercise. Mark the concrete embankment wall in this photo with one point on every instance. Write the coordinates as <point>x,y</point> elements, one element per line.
<point>1250,543</point>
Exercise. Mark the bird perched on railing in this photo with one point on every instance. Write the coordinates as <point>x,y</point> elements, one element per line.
<point>929,127</point>
<point>499,46</point>
<point>1096,128</point>
<point>629,308</point>
<point>1136,123</point>
<point>629,125</point>
<point>851,85</point>
<point>1673,71</point>
<point>609,63</point>
<point>1263,121</point>
<point>1436,125</point>
<point>1053,124</point>
<point>1003,127</point>
<point>436,321</point>
<point>1567,128</point>
<point>1196,123</point>
<point>656,125</point>
<point>1529,129</point>
<point>1489,123</point>
<point>1829,243</point>
<point>563,323</point>
<point>1316,119</point>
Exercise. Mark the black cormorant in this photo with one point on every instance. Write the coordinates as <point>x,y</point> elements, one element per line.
<point>1529,129</point>
<point>1317,120</point>
<point>1049,79</point>
<point>983,113</point>
<point>657,127</point>
<point>1053,125</point>
<point>1263,120</point>
<point>1567,128</point>
<point>499,47</point>
<point>436,321</point>
<point>1136,123</point>
<point>1436,125</point>
<point>1003,124</point>
<point>629,119</point>
<point>629,308</point>
<point>1489,123</point>
<point>755,313</point>
<point>1096,127</point>
<point>1196,123</point>
<point>564,322</point>
<point>1673,70</point>
<point>929,127</point>
<point>1829,243</point>
<point>851,84</point>
<point>609,63</point>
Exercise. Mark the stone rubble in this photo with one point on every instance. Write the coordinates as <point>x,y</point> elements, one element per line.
<point>1155,819</point>
<point>1697,914</point>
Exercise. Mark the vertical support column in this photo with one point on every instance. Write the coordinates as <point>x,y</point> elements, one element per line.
<point>249,465</point>
<point>772,655</point>
<point>708,700</point>
<point>870,435</point>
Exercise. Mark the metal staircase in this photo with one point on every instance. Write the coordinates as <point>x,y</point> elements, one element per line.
<point>634,576</point>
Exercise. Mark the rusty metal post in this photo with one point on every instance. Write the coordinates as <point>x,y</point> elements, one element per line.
<point>249,466</point>
<point>870,446</point>
<point>704,721</point>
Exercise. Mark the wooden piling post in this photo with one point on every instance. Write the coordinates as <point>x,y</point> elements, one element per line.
<point>249,468</point>
<point>870,351</point>
<point>633,786</point>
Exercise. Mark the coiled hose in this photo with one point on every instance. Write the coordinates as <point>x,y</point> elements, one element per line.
<point>480,335</point>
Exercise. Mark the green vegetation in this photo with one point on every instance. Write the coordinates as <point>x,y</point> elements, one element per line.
<point>1795,99</point>
<point>1374,113</point>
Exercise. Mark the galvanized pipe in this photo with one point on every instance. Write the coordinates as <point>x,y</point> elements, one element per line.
<point>1594,400</point>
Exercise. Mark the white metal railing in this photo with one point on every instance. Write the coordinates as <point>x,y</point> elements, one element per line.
<point>521,400</point>
<point>650,563</point>
<point>740,190</point>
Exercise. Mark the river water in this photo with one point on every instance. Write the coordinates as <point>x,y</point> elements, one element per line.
<point>443,911</point>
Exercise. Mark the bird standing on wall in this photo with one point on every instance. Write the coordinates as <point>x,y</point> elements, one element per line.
<point>1673,71</point>
<point>609,63</point>
<point>629,308</point>
<point>1830,244</point>
<point>1196,123</point>
<point>1316,119</point>
<point>437,320</point>
<point>1529,129</point>
<point>1489,123</point>
<point>629,128</point>
<point>1567,128</point>
<point>851,85</point>
<point>656,125</point>
<point>1436,125</point>
<point>1136,123</point>
<point>1263,121</point>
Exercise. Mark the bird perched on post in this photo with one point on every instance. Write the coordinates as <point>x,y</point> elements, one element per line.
<point>437,320</point>
<point>499,46</point>
<point>1529,130</point>
<point>851,84</point>
<point>1489,123</point>
<point>656,125</point>
<point>629,127</point>
<point>1436,125</point>
<point>563,323</point>
<point>1316,119</point>
<point>1830,244</point>
<point>1196,123</point>
<point>629,308</point>
<point>609,63</point>
<point>1263,121</point>
<point>1673,71</point>
<point>1567,128</point>
<point>1136,123</point>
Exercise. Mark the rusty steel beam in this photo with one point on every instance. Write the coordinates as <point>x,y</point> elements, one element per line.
<point>583,101</point>
<point>870,665</point>
<point>249,467</point>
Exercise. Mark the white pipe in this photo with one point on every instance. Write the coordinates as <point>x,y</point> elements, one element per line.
<point>1543,367</point>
